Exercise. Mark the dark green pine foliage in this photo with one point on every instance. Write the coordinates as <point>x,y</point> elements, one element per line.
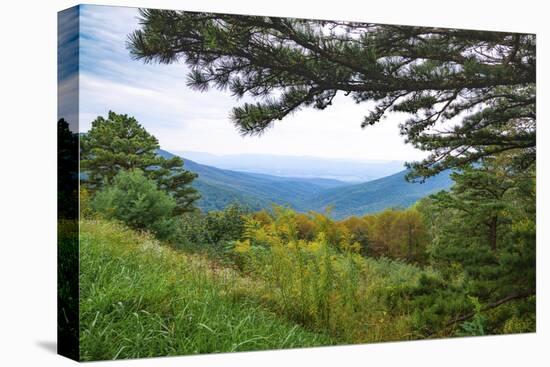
<point>120,143</point>
<point>484,228</point>
<point>483,81</point>
<point>490,211</point>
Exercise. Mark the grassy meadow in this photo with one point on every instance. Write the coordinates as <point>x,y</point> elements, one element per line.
<point>141,299</point>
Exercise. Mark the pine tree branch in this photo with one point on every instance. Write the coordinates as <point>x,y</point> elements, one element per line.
<point>490,306</point>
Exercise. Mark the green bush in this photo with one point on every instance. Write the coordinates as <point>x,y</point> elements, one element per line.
<point>192,235</point>
<point>212,232</point>
<point>136,201</point>
<point>225,225</point>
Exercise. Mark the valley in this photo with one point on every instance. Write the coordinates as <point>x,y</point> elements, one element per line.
<point>222,187</point>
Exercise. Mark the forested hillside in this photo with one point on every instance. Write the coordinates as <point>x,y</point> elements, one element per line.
<point>220,188</point>
<point>389,192</point>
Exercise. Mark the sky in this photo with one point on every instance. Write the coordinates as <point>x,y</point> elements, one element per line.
<point>186,120</point>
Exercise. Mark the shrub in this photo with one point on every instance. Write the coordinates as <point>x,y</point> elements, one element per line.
<point>213,233</point>
<point>225,225</point>
<point>136,201</point>
<point>322,284</point>
<point>192,231</point>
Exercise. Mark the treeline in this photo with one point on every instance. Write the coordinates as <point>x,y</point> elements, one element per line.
<point>393,233</point>
<point>460,262</point>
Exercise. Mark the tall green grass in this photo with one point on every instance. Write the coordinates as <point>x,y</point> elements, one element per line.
<point>141,299</point>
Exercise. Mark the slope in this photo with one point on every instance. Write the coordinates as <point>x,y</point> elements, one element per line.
<point>373,196</point>
<point>220,187</point>
<point>140,299</point>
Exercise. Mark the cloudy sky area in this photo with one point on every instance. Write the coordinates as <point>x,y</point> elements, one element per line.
<point>187,120</point>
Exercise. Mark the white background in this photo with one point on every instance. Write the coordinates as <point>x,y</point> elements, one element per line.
<point>28,183</point>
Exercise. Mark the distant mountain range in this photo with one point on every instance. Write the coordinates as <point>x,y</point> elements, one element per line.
<point>348,170</point>
<point>221,187</point>
<point>373,196</point>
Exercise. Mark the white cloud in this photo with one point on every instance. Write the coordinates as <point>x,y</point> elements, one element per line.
<point>183,119</point>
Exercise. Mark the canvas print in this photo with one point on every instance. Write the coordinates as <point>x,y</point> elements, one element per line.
<point>234,183</point>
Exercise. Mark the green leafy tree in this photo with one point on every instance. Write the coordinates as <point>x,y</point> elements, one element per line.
<point>359,232</point>
<point>135,200</point>
<point>483,81</point>
<point>119,143</point>
<point>398,234</point>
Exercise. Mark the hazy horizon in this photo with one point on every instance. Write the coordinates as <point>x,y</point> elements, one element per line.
<point>351,159</point>
<point>347,170</point>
